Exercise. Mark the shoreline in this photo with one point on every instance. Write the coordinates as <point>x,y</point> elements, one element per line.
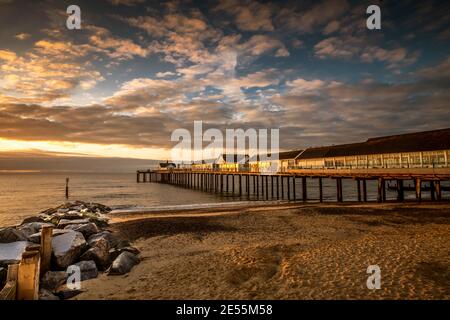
<point>295,251</point>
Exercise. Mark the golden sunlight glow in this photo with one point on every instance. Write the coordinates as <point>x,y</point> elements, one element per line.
<point>89,149</point>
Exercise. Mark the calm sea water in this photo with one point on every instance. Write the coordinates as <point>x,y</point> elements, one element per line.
<point>27,194</point>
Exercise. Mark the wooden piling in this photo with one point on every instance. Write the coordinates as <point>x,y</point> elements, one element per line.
<point>380,190</point>
<point>320,190</point>
<point>28,276</point>
<point>432,189</point>
<point>418,185</point>
<point>67,188</point>
<point>304,190</point>
<point>400,190</point>
<point>364,184</point>
<point>294,196</point>
<point>438,190</point>
<point>358,186</point>
<point>288,188</point>
<point>9,291</point>
<point>46,248</point>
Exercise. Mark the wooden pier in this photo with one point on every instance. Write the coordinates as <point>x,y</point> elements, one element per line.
<point>282,186</point>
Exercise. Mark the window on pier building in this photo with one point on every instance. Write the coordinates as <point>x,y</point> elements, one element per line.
<point>433,158</point>
<point>329,163</point>
<point>414,159</point>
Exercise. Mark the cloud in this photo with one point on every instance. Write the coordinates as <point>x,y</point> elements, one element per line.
<point>248,15</point>
<point>126,2</point>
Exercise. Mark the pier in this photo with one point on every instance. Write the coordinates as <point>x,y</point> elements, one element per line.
<point>422,158</point>
<point>282,186</point>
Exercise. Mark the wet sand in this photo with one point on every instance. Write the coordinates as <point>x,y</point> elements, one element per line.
<point>285,252</point>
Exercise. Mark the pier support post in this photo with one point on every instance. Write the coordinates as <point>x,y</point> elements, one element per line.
<point>138,176</point>
<point>320,190</point>
<point>240,185</point>
<point>304,190</point>
<point>418,184</point>
<point>339,189</point>
<point>400,190</point>
<point>271,186</point>
<point>380,197</point>
<point>358,186</point>
<point>145,176</point>
<point>288,189</point>
<point>267,187</point>
<point>432,194</point>
<point>293,187</point>
<point>437,188</point>
<point>364,185</point>
<point>278,187</point>
<point>257,187</point>
<point>282,187</point>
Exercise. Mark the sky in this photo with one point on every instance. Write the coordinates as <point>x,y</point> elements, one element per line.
<point>137,70</point>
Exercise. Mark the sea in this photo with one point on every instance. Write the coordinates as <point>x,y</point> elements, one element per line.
<point>26,194</point>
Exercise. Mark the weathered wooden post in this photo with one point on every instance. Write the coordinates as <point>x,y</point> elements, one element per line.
<point>138,177</point>
<point>364,182</point>
<point>437,187</point>
<point>232,181</point>
<point>380,190</point>
<point>358,186</point>
<point>400,190</point>
<point>339,189</point>
<point>28,276</point>
<point>432,191</point>
<point>320,190</point>
<point>267,187</point>
<point>9,291</point>
<point>293,189</point>
<point>282,187</point>
<point>288,188</point>
<point>304,190</point>
<point>278,187</point>
<point>67,188</point>
<point>46,248</point>
<point>240,185</point>
<point>418,189</point>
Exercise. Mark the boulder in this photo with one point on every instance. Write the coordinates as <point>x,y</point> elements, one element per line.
<point>32,219</point>
<point>36,237</point>
<point>106,235</point>
<point>33,227</point>
<point>65,222</point>
<point>114,253</point>
<point>99,253</point>
<point>123,263</point>
<point>67,248</point>
<point>11,234</point>
<point>52,280</point>
<point>11,253</point>
<point>88,269</point>
<point>47,295</point>
<point>64,292</point>
<point>87,229</point>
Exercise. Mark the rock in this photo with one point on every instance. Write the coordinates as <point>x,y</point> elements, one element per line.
<point>98,253</point>
<point>52,280</point>
<point>11,253</point>
<point>36,237</point>
<point>10,234</point>
<point>123,244</point>
<point>106,235</point>
<point>87,229</point>
<point>65,222</point>
<point>33,227</point>
<point>32,219</point>
<point>47,295</point>
<point>123,263</point>
<point>114,253</point>
<point>88,269</point>
<point>64,292</point>
<point>67,248</point>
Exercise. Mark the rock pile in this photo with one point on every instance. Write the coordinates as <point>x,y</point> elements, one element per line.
<point>80,238</point>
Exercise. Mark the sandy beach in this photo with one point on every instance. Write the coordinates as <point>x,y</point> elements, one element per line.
<point>281,251</point>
